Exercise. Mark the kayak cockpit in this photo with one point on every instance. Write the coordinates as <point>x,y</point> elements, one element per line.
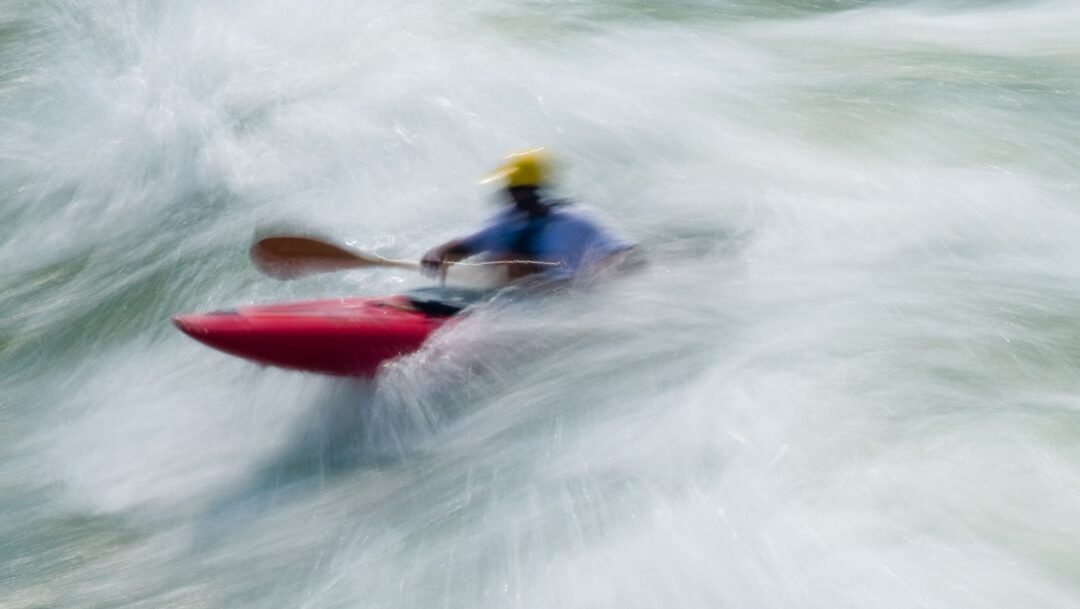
<point>445,301</point>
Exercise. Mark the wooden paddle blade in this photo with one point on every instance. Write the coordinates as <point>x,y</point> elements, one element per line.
<point>289,257</point>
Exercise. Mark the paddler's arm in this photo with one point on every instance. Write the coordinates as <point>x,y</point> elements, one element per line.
<point>435,260</point>
<point>492,237</point>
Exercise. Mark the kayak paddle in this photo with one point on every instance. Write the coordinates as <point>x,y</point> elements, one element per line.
<point>289,257</point>
<point>292,256</point>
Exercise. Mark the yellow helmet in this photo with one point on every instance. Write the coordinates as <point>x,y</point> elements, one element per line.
<point>526,168</point>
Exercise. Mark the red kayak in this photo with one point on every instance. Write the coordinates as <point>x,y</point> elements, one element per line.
<point>342,337</point>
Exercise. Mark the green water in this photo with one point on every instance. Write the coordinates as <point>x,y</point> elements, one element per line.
<point>847,378</point>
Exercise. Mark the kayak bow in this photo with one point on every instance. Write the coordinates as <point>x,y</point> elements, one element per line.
<point>341,337</point>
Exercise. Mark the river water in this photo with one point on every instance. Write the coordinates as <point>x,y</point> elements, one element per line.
<point>849,377</point>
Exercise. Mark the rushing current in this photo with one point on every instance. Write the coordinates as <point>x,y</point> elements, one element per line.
<point>849,376</point>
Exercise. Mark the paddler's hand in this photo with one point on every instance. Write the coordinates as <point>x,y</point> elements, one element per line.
<point>438,259</point>
<point>433,264</point>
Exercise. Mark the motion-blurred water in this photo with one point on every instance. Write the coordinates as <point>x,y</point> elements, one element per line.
<point>849,377</point>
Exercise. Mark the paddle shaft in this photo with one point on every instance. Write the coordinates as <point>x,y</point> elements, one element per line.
<point>290,256</point>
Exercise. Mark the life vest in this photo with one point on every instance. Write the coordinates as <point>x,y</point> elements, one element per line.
<point>527,242</point>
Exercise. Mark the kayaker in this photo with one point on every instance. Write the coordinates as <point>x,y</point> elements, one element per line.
<point>534,234</point>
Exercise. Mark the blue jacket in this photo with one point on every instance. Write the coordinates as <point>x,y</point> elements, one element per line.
<point>566,236</point>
